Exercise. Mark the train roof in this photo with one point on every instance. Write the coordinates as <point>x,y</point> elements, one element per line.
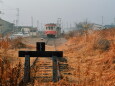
<point>50,24</point>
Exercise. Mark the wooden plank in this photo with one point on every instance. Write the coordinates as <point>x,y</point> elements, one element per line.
<point>43,77</point>
<point>55,72</point>
<point>27,69</point>
<point>41,53</point>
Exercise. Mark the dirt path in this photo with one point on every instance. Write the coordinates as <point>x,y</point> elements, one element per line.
<point>49,46</point>
<point>32,41</point>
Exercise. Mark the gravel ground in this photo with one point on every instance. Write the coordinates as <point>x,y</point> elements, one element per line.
<point>49,46</point>
<point>32,41</point>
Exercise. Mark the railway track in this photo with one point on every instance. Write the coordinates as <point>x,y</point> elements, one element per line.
<point>42,71</point>
<point>42,68</point>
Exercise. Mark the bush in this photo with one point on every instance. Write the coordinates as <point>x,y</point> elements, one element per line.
<point>17,43</point>
<point>9,75</point>
<point>102,44</point>
<point>70,34</point>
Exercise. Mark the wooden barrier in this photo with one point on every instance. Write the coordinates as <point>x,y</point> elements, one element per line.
<point>40,53</point>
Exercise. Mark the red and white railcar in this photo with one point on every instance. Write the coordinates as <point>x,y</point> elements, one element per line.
<point>52,30</point>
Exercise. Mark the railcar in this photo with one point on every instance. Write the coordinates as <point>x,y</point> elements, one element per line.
<point>52,30</point>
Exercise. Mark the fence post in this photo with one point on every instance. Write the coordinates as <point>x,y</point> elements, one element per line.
<point>27,69</point>
<point>55,69</point>
<point>40,46</point>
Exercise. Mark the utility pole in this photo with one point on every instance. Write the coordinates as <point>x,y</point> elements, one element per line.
<point>59,22</point>
<point>32,24</point>
<point>17,21</point>
<point>86,21</point>
<point>1,24</point>
<point>0,10</point>
<point>0,13</point>
<point>62,25</point>
<point>102,20</point>
<point>37,24</point>
<point>70,25</point>
<point>13,26</point>
<point>114,21</point>
<point>38,27</point>
<point>32,21</point>
<point>67,25</point>
<point>41,26</point>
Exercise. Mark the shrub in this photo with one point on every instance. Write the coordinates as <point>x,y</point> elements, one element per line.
<point>17,43</point>
<point>102,44</point>
<point>70,34</point>
<point>9,75</point>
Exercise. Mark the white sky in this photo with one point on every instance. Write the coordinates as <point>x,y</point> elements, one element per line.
<point>70,11</point>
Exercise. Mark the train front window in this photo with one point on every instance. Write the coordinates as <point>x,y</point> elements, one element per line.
<point>51,28</point>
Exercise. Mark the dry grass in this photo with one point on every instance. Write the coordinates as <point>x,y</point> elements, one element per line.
<point>9,75</point>
<point>10,65</point>
<point>93,66</point>
<point>90,63</point>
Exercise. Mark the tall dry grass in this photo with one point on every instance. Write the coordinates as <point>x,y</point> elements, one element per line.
<point>9,75</point>
<point>10,68</point>
<point>90,63</point>
<point>93,60</point>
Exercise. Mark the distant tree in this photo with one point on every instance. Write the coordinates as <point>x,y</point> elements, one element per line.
<point>83,28</point>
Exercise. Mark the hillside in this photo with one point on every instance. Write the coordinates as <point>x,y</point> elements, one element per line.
<point>91,58</point>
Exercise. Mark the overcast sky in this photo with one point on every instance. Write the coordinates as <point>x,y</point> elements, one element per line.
<point>49,10</point>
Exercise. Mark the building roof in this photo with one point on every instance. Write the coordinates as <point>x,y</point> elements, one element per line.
<point>5,21</point>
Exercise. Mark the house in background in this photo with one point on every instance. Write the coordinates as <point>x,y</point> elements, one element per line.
<point>25,29</point>
<point>109,26</point>
<point>97,27</point>
<point>33,32</point>
<point>6,27</point>
<point>28,30</point>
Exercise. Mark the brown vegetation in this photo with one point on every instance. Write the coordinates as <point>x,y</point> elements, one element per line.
<point>9,75</point>
<point>10,65</point>
<point>92,60</point>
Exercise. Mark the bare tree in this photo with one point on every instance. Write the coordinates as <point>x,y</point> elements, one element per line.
<point>83,28</point>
